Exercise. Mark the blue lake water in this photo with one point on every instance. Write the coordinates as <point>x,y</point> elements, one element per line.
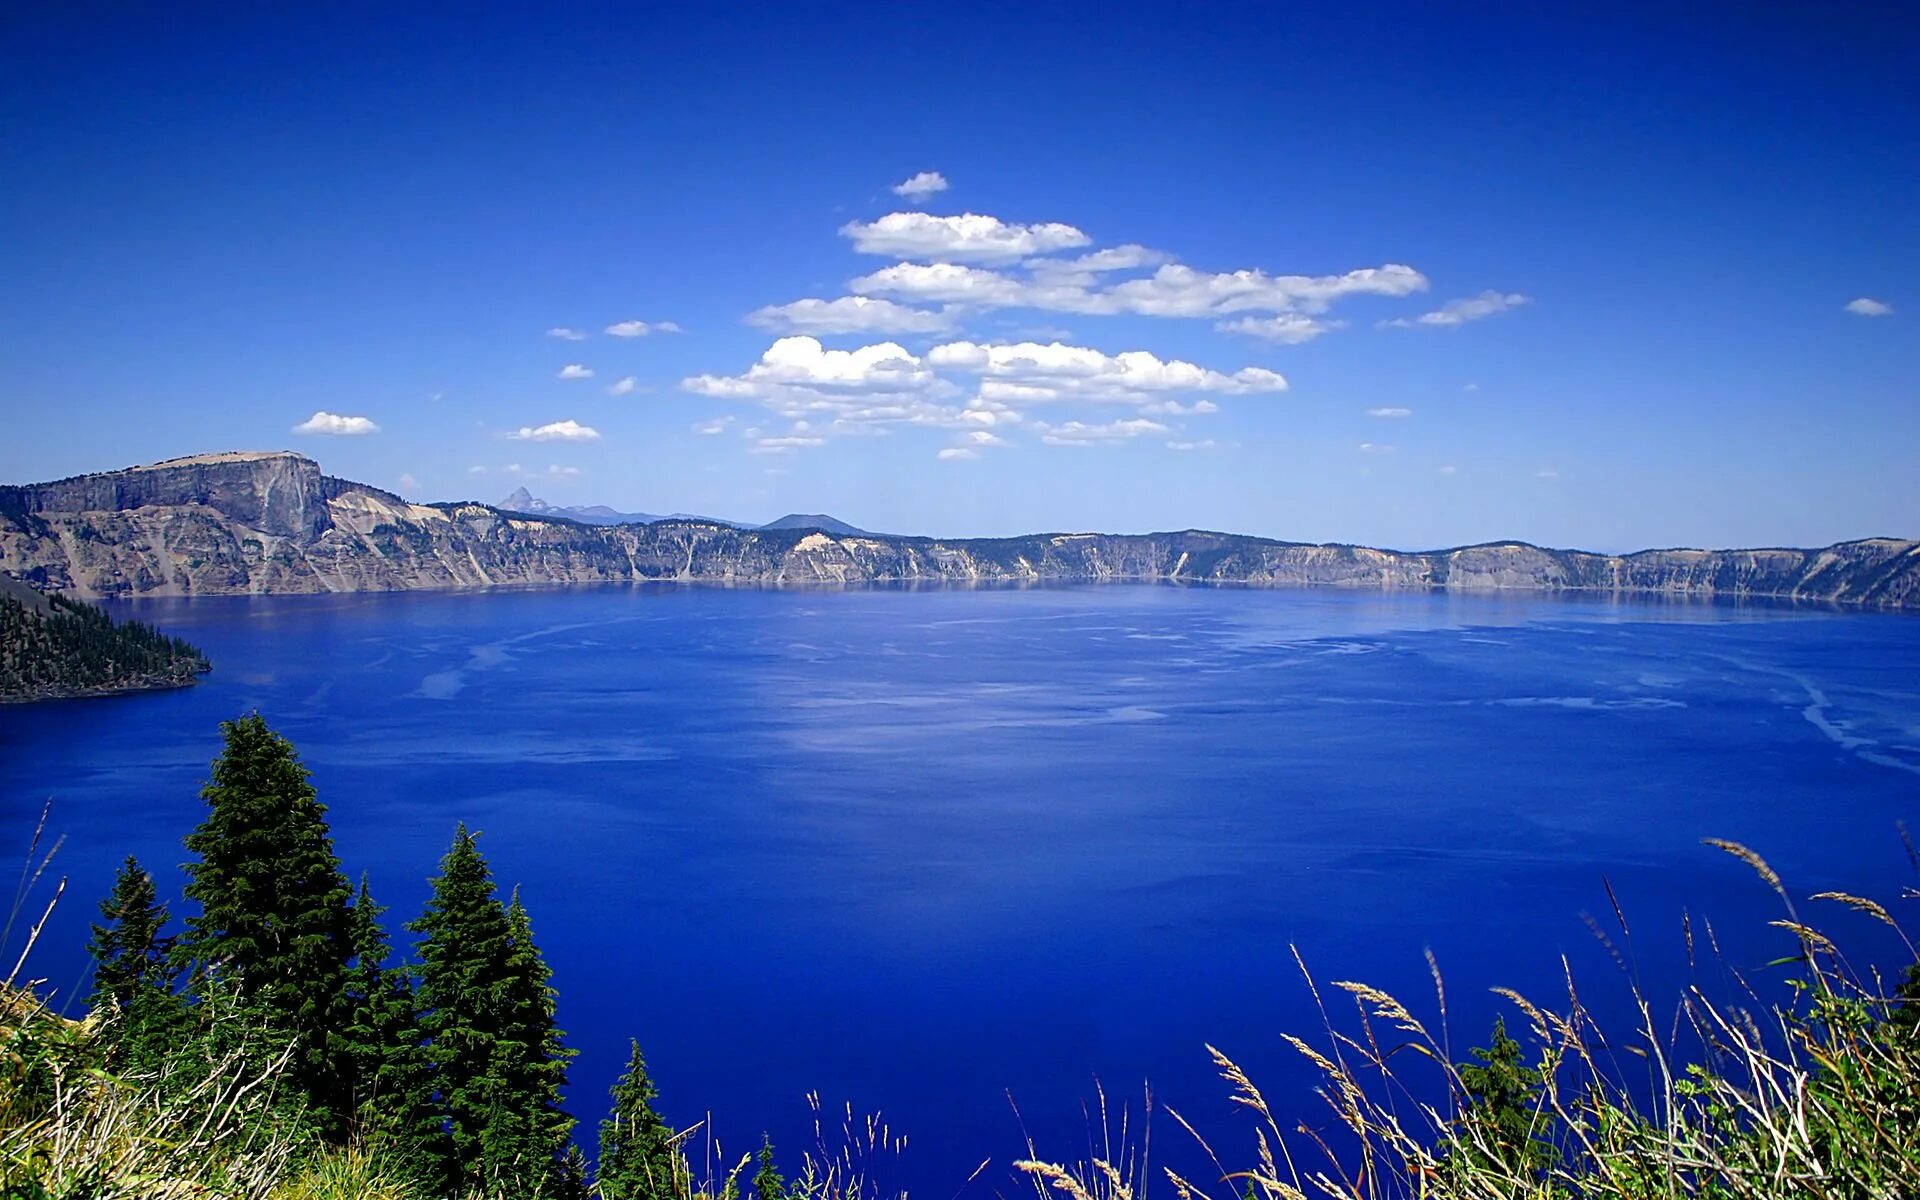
<point>917,850</point>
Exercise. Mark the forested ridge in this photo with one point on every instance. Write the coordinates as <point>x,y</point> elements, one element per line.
<point>51,646</point>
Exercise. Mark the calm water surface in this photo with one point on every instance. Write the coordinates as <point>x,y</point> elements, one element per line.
<point>916,851</point>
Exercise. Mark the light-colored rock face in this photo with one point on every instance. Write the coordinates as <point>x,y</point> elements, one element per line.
<point>270,522</point>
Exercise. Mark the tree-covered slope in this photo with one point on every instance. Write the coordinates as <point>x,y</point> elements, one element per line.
<point>52,647</point>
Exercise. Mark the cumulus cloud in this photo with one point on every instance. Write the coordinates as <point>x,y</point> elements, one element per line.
<point>849,314</point>
<point>957,454</point>
<point>575,371</point>
<point>1287,329</point>
<point>1180,291</point>
<point>335,425</point>
<point>785,443</point>
<point>881,386</point>
<point>801,361</point>
<point>1867,307</point>
<point>556,431</point>
<point>1208,444</point>
<point>1079,433</point>
<point>636,329</point>
<point>1172,290</point>
<point>969,237</point>
<point>1029,371</point>
<point>624,386</point>
<point>1390,414</point>
<point>1459,312</point>
<point>710,428</point>
<point>565,334</point>
<point>945,283</point>
<point>1376,448</point>
<point>918,189</point>
<point>408,483</point>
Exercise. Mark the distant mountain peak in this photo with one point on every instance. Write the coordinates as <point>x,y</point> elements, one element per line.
<point>820,521</point>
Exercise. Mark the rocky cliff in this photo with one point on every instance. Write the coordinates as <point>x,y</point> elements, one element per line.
<point>223,524</point>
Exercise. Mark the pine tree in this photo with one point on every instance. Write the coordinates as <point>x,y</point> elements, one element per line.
<point>393,1081</point>
<point>274,923</point>
<point>639,1159</point>
<point>1501,1093</point>
<point>132,976</point>
<point>534,1059</point>
<point>767,1184</point>
<point>487,1008</point>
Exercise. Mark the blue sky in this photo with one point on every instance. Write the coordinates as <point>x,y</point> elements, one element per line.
<point>1407,275</point>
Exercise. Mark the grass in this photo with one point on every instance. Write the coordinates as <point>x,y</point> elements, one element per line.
<point>1814,1097</point>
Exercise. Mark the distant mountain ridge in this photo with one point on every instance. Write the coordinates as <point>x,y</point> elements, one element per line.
<point>523,501</point>
<point>271,522</point>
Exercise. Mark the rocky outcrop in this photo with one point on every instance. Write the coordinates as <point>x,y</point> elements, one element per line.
<point>227,524</point>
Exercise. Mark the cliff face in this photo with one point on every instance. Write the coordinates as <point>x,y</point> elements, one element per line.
<point>260,523</point>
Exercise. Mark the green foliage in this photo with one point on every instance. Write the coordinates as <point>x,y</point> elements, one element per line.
<point>274,923</point>
<point>640,1158</point>
<point>767,1183</point>
<point>54,646</point>
<point>487,1011</point>
<point>133,976</point>
<point>393,1077</point>
<point>1502,1109</point>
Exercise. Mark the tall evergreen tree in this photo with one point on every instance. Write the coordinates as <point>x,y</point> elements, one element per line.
<point>487,1009</point>
<point>273,923</point>
<point>393,1080</point>
<point>533,1056</point>
<point>132,974</point>
<point>639,1159</point>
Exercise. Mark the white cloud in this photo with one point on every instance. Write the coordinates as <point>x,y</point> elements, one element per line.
<point>408,483</point>
<point>1079,433</point>
<point>948,283</point>
<point>1287,329</point>
<point>1449,469</point>
<point>1057,371</point>
<point>918,189</point>
<point>625,386</point>
<point>957,454</point>
<point>334,425</point>
<point>1546,473</point>
<point>574,371</point>
<point>801,361</point>
<point>556,431</point>
<point>1114,258</point>
<point>635,329</point>
<point>1867,307</point>
<point>476,469</point>
<point>849,314</point>
<point>717,425</point>
<point>1180,291</point>
<point>1171,291</point>
<point>971,237</point>
<point>565,334</point>
<point>1376,448</point>
<point>785,444</point>
<point>1459,312</point>
<point>1208,444</point>
<point>1390,414</point>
